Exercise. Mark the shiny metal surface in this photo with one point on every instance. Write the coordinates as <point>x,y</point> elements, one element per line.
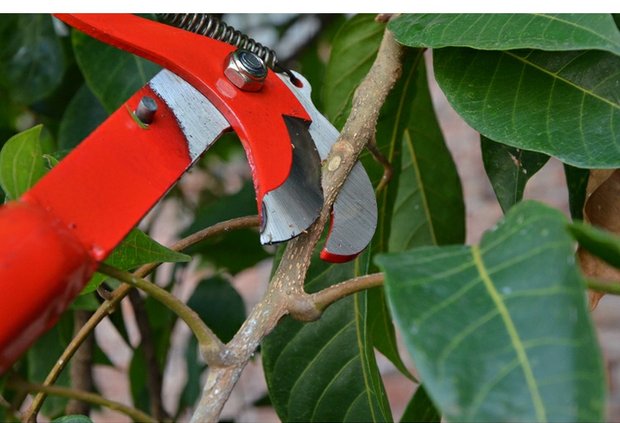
<point>201,122</point>
<point>354,217</point>
<point>292,207</point>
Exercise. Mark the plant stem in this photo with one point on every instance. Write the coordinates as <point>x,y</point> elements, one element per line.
<point>110,304</point>
<point>606,287</point>
<point>210,344</point>
<point>329,295</point>
<point>84,396</point>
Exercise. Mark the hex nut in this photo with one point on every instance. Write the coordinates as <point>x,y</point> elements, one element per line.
<point>245,70</point>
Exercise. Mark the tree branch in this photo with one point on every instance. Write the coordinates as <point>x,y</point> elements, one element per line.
<point>285,294</point>
<point>110,304</point>
<point>329,295</point>
<point>210,345</point>
<point>80,395</point>
<point>606,287</point>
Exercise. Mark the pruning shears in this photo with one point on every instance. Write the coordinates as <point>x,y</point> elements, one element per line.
<point>56,234</point>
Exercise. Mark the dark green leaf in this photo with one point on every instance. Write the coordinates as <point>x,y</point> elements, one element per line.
<point>565,104</point>
<point>429,208</point>
<point>509,169</point>
<point>31,59</point>
<point>135,250</point>
<point>219,305</point>
<point>21,162</point>
<point>81,117</point>
<point>577,182</point>
<point>321,371</point>
<point>355,47</point>
<point>420,409</point>
<point>506,31</point>
<point>600,243</point>
<point>85,302</point>
<point>76,418</point>
<point>112,75</point>
<point>501,331</point>
<point>43,355</point>
<point>138,380</point>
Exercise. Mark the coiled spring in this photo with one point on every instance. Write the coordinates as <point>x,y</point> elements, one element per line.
<point>212,27</point>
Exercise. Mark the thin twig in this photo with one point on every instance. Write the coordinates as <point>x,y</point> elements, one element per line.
<point>119,293</point>
<point>380,158</point>
<point>153,373</point>
<point>606,287</point>
<point>285,294</point>
<point>329,295</point>
<point>81,366</point>
<point>210,344</point>
<point>80,395</point>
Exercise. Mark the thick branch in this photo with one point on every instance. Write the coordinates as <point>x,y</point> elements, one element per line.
<point>110,304</point>
<point>329,295</point>
<point>89,397</point>
<point>285,294</point>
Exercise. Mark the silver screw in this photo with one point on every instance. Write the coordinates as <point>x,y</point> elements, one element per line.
<point>146,110</point>
<point>245,70</point>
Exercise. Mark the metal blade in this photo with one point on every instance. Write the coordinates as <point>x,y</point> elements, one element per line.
<point>354,215</point>
<point>115,176</point>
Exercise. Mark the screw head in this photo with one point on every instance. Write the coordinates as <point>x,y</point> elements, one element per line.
<point>146,110</point>
<point>245,70</point>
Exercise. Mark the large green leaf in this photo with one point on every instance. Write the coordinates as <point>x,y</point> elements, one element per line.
<point>600,243</point>
<point>355,48</point>
<point>509,31</point>
<point>31,58</point>
<point>501,331</point>
<point>112,75</point>
<point>565,104</point>
<point>135,250</point>
<point>74,418</point>
<point>429,207</point>
<point>325,370</point>
<point>21,162</point>
<point>81,117</point>
<point>509,169</point>
<point>219,305</point>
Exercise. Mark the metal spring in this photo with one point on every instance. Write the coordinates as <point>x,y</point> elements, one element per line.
<point>212,27</point>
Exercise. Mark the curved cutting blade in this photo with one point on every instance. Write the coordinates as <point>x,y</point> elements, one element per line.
<point>354,215</point>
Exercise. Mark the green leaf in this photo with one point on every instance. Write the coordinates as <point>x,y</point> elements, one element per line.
<point>75,418</point>
<point>138,380</point>
<point>501,331</point>
<point>83,114</point>
<point>31,59</point>
<point>43,355</point>
<point>508,31</point>
<point>420,409</point>
<point>322,371</point>
<point>355,47</point>
<point>112,74</point>
<point>565,104</point>
<point>576,182</point>
<point>429,208</point>
<point>509,169</point>
<point>219,305</point>
<point>600,243</point>
<point>21,162</point>
<point>195,368</point>
<point>135,250</point>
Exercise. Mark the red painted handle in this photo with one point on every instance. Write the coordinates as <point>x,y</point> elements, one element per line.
<point>42,268</point>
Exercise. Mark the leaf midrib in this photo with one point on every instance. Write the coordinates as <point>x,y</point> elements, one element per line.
<point>515,339</point>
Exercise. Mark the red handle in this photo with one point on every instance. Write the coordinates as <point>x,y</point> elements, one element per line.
<point>42,268</point>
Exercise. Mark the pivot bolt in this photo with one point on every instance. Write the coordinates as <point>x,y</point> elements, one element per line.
<point>245,70</point>
<point>146,110</point>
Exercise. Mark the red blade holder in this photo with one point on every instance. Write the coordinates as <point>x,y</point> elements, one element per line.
<point>52,239</point>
